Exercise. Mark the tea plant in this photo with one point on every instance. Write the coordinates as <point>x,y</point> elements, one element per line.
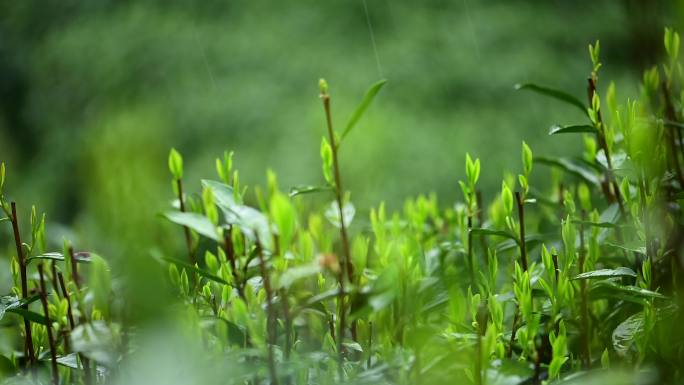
<point>574,280</point>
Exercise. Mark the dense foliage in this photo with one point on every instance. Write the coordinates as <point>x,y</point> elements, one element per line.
<point>576,279</point>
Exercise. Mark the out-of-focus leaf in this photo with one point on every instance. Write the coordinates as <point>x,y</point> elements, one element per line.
<point>80,256</point>
<point>284,217</point>
<point>610,289</point>
<point>197,270</point>
<point>100,284</point>
<point>604,377</point>
<point>96,340</point>
<point>530,240</point>
<point>509,372</point>
<point>353,346</point>
<point>557,94</point>
<point>10,302</point>
<point>6,367</point>
<point>570,166</point>
<point>634,247</point>
<point>299,190</point>
<point>362,107</point>
<point>605,225</point>
<point>333,214</point>
<point>572,129</point>
<point>194,221</point>
<point>293,274</point>
<point>70,360</point>
<point>252,222</point>
<point>383,291</point>
<point>491,232</point>
<point>607,273</point>
<point>223,194</point>
<point>625,333</point>
<point>324,296</point>
<point>236,334</point>
<point>29,315</point>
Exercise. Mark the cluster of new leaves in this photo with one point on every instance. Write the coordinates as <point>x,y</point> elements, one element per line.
<point>575,279</point>
<point>65,313</point>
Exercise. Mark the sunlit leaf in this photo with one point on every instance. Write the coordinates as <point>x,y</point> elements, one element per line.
<point>9,302</point>
<point>80,256</point>
<point>572,129</point>
<point>607,273</point>
<point>194,221</point>
<point>224,196</point>
<point>299,190</point>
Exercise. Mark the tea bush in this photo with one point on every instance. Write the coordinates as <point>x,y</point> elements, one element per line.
<point>576,279</point>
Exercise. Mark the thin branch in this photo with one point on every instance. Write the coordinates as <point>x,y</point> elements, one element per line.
<point>24,283</point>
<point>51,338</point>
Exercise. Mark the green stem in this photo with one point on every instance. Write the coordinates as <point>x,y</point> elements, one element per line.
<point>186,230</point>
<point>48,327</point>
<point>601,137</point>
<point>24,283</point>
<point>583,294</point>
<point>271,324</point>
<point>346,270</point>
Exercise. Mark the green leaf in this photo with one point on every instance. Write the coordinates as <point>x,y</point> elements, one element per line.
<point>327,161</point>
<point>284,216</point>
<point>572,129</point>
<point>70,360</point>
<point>194,221</point>
<point>97,340</point>
<point>29,315</point>
<point>530,241</point>
<point>362,107</point>
<point>252,223</point>
<point>383,291</point>
<point>236,334</point>
<point>223,194</point>
<point>81,256</point>
<point>9,302</point>
<point>557,94</point>
<point>2,175</point>
<point>176,164</point>
<point>296,273</point>
<point>610,289</point>
<point>634,247</point>
<point>527,158</point>
<point>509,372</point>
<point>624,334</point>
<point>7,368</point>
<point>197,270</point>
<point>607,273</point>
<point>605,225</point>
<point>491,232</point>
<point>570,166</point>
<point>305,189</point>
<point>506,198</point>
<point>100,284</point>
<point>333,214</point>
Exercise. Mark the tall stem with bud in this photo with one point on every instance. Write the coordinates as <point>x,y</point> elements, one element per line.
<point>346,270</point>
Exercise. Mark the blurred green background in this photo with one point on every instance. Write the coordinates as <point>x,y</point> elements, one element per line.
<point>94,93</point>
